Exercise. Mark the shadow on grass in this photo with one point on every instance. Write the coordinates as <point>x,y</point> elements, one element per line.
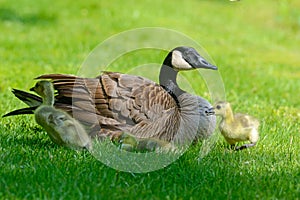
<point>9,15</point>
<point>25,135</point>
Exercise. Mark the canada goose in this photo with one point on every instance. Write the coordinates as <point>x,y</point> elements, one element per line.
<point>114,103</point>
<point>60,126</point>
<point>237,127</point>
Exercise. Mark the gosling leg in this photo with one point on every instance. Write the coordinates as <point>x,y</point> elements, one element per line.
<point>244,146</point>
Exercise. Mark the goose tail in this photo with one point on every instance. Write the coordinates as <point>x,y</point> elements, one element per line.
<point>22,111</point>
<point>33,101</point>
<point>28,98</point>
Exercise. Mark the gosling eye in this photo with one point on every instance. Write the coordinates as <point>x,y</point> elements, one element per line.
<point>218,107</point>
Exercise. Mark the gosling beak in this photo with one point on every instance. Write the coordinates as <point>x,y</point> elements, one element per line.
<point>210,111</point>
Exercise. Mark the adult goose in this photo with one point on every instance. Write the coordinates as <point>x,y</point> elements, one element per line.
<point>113,103</point>
<point>60,126</point>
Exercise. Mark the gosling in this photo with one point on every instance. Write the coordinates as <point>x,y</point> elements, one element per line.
<point>237,127</point>
<point>59,125</point>
<point>128,142</point>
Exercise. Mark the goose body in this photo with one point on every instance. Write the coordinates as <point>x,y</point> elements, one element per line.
<point>60,126</point>
<point>237,127</point>
<point>114,103</point>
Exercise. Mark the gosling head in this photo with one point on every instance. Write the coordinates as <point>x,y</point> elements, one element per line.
<point>45,90</point>
<point>41,87</point>
<point>187,58</point>
<point>221,108</point>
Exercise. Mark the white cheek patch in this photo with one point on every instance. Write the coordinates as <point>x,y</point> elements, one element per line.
<point>178,62</point>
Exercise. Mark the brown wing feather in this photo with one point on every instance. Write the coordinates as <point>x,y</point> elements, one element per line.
<point>116,102</point>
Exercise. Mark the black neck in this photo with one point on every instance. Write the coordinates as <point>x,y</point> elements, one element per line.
<point>167,77</point>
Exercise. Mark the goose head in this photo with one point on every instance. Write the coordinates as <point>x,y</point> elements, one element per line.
<point>45,90</point>
<point>180,59</point>
<point>187,58</point>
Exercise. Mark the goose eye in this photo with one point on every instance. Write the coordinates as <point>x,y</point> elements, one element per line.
<point>218,107</point>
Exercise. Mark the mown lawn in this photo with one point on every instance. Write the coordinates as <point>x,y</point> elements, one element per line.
<point>254,43</point>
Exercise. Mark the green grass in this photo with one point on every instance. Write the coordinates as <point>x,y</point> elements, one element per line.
<point>254,43</point>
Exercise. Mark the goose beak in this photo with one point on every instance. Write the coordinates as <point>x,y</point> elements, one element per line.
<point>202,63</point>
<point>210,111</point>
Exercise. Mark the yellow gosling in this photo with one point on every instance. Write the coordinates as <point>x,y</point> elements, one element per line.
<point>129,142</point>
<point>60,126</point>
<point>237,127</point>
